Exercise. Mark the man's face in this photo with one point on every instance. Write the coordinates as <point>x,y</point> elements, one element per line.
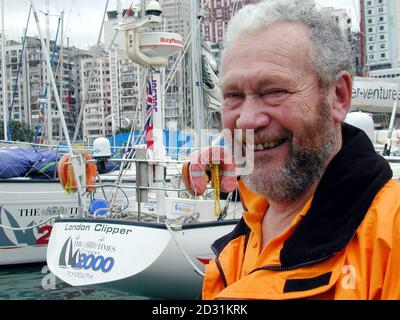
<point>269,86</point>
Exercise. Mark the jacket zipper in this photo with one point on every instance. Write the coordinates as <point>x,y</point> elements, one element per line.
<point>305,264</point>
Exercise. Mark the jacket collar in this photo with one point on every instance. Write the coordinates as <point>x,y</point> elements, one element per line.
<point>339,205</point>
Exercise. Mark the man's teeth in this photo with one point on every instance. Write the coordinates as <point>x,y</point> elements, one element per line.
<point>268,145</point>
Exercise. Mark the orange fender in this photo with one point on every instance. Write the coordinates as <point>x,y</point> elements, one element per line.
<point>91,173</point>
<point>67,177</point>
<point>194,173</point>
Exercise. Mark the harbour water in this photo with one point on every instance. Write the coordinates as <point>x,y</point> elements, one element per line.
<point>35,282</point>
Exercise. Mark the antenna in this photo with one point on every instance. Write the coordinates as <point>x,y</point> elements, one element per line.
<point>4,72</point>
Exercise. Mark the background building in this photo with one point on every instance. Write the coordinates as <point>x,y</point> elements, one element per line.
<point>26,86</point>
<point>382,34</point>
<point>98,104</point>
<point>128,92</point>
<point>217,15</point>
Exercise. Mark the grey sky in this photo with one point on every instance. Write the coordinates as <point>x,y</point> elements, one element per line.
<point>83,17</point>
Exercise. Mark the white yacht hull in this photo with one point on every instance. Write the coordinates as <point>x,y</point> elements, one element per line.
<point>137,257</point>
<point>24,203</point>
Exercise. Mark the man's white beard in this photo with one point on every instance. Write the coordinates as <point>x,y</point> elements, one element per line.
<point>302,166</point>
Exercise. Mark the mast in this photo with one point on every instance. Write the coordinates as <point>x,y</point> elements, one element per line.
<point>153,63</point>
<point>115,115</point>
<point>196,72</point>
<point>119,11</point>
<point>49,115</point>
<point>25,86</point>
<point>142,8</point>
<point>75,161</point>
<point>61,64</point>
<point>4,73</point>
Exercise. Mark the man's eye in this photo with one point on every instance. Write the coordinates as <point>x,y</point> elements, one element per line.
<point>231,98</point>
<point>232,95</point>
<point>274,91</point>
<point>274,97</point>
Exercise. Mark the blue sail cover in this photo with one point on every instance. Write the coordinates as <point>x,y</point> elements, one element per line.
<point>27,162</point>
<point>37,164</point>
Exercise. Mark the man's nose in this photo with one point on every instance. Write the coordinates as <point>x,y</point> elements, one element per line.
<point>253,115</point>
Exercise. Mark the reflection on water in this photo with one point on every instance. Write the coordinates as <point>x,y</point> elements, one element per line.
<point>37,283</point>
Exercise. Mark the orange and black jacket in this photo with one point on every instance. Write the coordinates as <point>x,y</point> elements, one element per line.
<point>344,244</point>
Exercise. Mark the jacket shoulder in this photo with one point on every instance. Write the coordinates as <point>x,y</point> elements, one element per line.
<point>382,221</point>
<point>387,201</point>
<point>378,237</point>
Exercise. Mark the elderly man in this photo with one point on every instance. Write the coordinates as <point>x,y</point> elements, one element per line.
<point>322,215</point>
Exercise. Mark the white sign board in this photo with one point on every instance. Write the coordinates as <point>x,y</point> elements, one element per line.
<point>182,208</point>
<point>85,253</point>
<point>375,94</point>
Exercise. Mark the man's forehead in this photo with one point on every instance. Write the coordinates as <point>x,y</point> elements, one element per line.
<point>283,44</point>
<point>280,33</point>
<point>236,78</point>
<point>279,29</point>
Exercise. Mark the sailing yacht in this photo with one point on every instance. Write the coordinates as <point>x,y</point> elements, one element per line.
<point>31,196</point>
<point>27,205</point>
<point>157,250</point>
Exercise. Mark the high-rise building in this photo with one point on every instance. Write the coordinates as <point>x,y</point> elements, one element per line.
<point>124,86</point>
<point>355,45</point>
<point>77,89</point>
<point>382,34</point>
<point>124,75</point>
<point>127,87</point>
<point>217,15</point>
<point>98,104</point>
<point>26,86</point>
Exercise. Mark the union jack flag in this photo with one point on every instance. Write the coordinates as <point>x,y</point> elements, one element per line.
<point>42,105</point>
<point>149,116</point>
<point>129,11</point>
<point>69,101</point>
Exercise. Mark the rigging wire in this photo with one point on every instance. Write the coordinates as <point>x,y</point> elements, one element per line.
<point>185,46</point>
<point>356,12</point>
<point>30,227</point>
<point>196,269</point>
<point>87,93</point>
<point>10,110</point>
<point>69,16</point>
<point>53,53</point>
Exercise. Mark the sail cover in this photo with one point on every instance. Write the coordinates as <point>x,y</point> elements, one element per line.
<point>27,162</point>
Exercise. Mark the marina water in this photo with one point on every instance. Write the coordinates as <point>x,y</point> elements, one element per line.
<point>35,282</point>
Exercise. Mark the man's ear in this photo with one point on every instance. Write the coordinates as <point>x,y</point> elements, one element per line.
<point>342,93</point>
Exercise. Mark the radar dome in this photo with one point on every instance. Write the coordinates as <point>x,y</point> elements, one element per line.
<point>153,8</point>
<point>362,121</point>
<point>101,148</point>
